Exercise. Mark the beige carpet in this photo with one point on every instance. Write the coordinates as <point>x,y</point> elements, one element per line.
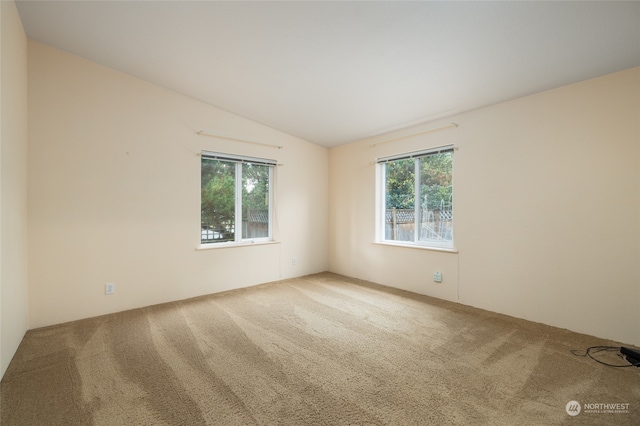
<point>317,350</point>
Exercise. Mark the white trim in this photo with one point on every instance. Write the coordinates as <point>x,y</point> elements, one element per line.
<point>417,213</point>
<point>380,203</point>
<point>238,158</point>
<point>409,244</point>
<point>237,234</point>
<point>232,244</point>
<point>238,239</point>
<point>415,154</point>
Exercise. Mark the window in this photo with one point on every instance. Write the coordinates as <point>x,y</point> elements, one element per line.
<point>236,198</point>
<point>416,198</point>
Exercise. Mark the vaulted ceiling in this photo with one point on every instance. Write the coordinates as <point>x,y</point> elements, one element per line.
<point>335,72</point>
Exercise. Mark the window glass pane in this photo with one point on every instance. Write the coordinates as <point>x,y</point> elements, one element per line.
<point>255,200</point>
<point>400,200</point>
<point>217,201</point>
<point>436,191</point>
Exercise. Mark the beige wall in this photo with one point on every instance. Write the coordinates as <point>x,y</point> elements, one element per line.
<point>547,209</point>
<point>114,194</point>
<point>13,188</point>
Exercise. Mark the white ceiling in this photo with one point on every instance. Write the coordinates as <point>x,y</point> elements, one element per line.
<point>335,72</point>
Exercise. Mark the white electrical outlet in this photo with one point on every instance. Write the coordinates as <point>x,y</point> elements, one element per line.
<point>294,261</point>
<point>109,288</point>
<point>437,277</point>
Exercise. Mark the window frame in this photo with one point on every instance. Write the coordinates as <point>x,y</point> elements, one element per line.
<point>381,193</point>
<point>239,160</point>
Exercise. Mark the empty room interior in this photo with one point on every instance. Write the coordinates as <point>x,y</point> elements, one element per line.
<point>319,212</point>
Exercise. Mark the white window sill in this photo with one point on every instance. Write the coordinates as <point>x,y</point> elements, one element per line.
<point>248,243</point>
<point>416,246</point>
